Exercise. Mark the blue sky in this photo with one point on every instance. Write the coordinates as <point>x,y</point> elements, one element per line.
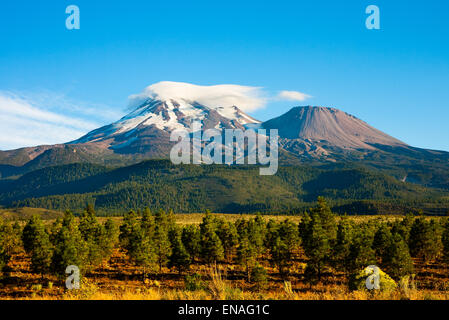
<point>69,81</point>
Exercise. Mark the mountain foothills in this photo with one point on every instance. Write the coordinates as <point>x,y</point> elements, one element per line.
<point>322,152</point>
<point>220,188</point>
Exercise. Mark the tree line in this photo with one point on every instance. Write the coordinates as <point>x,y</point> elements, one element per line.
<point>153,241</point>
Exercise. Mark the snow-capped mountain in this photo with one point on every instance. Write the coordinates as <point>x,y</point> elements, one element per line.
<point>306,133</point>
<point>170,115</point>
<point>150,124</point>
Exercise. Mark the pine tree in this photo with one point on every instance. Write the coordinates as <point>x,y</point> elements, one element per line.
<point>4,257</point>
<point>271,234</point>
<point>211,247</point>
<point>396,258</point>
<point>137,244</point>
<point>69,247</point>
<point>162,225</point>
<point>10,238</point>
<point>9,243</point>
<point>147,223</point>
<point>246,255</point>
<point>94,234</point>
<point>361,252</point>
<point>280,254</point>
<point>425,239</point>
<point>191,239</point>
<point>342,244</point>
<point>227,233</point>
<point>112,237</point>
<point>179,257</point>
<point>382,241</point>
<point>318,231</point>
<point>403,227</point>
<point>317,246</point>
<point>37,244</point>
<point>445,241</point>
<point>257,230</point>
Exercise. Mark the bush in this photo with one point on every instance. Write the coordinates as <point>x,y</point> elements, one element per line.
<point>259,277</point>
<point>358,280</point>
<point>193,282</point>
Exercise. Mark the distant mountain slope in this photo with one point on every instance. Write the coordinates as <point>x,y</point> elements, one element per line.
<point>146,130</point>
<point>191,188</point>
<point>308,135</point>
<point>329,126</point>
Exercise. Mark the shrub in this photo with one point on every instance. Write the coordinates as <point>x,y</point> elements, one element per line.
<point>259,277</point>
<point>358,280</point>
<point>194,282</point>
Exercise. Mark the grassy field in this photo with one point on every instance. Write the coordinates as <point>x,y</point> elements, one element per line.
<point>25,213</point>
<point>120,279</point>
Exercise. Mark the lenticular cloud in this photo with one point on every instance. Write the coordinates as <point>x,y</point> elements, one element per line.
<point>225,95</point>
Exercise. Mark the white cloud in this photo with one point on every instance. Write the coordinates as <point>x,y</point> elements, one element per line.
<point>29,119</point>
<point>225,95</point>
<point>293,96</point>
<point>26,122</point>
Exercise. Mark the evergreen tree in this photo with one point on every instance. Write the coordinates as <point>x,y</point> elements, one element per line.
<point>191,239</point>
<point>403,227</point>
<point>246,255</point>
<point>361,252</point>
<point>10,238</point>
<point>179,257</point>
<point>396,258</point>
<point>147,223</point>
<point>137,244</point>
<point>4,257</point>
<point>227,232</point>
<point>280,254</point>
<point>69,247</point>
<point>425,239</point>
<point>36,242</point>
<point>445,241</point>
<point>318,232</point>
<point>94,234</point>
<point>317,245</point>
<point>382,241</point>
<point>211,246</point>
<point>342,244</point>
<point>162,225</point>
<point>271,234</point>
<point>9,242</point>
<point>112,237</point>
<point>257,231</point>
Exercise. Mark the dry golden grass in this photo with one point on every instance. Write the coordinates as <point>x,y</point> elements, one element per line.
<point>120,280</point>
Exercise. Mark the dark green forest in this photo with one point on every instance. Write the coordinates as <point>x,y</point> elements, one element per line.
<point>228,189</point>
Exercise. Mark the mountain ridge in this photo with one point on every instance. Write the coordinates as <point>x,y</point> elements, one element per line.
<point>308,134</point>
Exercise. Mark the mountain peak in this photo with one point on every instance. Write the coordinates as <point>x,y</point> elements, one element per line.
<point>152,122</point>
<point>329,127</point>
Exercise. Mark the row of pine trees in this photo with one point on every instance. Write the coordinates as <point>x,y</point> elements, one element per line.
<point>154,241</point>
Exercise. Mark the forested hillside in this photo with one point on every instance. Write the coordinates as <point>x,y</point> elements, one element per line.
<point>228,189</point>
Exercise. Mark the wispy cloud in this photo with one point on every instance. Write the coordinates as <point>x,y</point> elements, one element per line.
<point>30,119</point>
<point>246,98</point>
<point>44,118</point>
<point>225,95</point>
<point>293,96</point>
